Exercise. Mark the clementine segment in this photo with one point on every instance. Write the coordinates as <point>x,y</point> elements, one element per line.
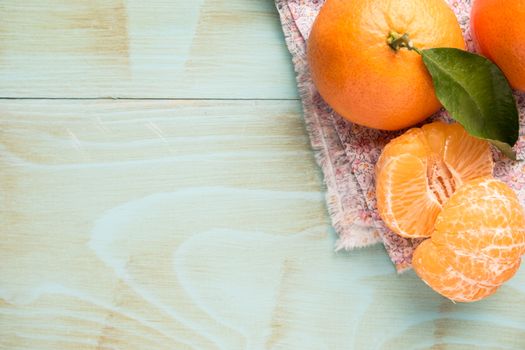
<point>477,243</point>
<point>498,27</point>
<point>435,269</point>
<point>361,76</point>
<point>419,171</point>
<point>489,210</point>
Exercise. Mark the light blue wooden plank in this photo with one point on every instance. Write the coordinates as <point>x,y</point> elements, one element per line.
<point>136,48</point>
<point>199,224</point>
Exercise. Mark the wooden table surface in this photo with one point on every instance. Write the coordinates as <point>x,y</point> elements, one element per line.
<point>158,191</point>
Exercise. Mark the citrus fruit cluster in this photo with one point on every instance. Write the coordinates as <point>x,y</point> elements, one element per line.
<point>389,64</point>
<point>359,68</point>
<point>436,182</point>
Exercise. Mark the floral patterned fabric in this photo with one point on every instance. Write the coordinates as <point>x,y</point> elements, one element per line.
<point>347,152</point>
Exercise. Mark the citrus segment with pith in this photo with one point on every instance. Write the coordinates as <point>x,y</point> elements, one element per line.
<point>419,171</point>
<point>477,243</point>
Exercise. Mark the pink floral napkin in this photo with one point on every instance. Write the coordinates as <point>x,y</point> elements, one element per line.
<point>347,152</point>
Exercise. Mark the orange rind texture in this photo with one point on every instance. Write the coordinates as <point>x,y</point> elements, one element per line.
<point>498,29</point>
<point>361,77</point>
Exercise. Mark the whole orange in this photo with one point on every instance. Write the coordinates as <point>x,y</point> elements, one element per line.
<point>365,80</point>
<point>498,27</point>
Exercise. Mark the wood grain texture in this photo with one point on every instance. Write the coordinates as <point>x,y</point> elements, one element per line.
<point>198,225</point>
<point>136,48</point>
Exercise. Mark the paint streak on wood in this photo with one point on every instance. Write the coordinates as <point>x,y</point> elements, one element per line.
<point>133,48</point>
<point>100,26</point>
<point>89,33</point>
<point>278,323</point>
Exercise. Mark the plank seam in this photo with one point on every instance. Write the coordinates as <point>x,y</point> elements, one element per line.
<point>149,98</point>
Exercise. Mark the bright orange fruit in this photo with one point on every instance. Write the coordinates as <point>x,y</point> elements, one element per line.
<point>477,242</point>
<point>419,171</point>
<point>361,77</point>
<point>498,27</point>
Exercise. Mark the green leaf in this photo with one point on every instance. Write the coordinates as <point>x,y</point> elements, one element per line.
<point>476,94</point>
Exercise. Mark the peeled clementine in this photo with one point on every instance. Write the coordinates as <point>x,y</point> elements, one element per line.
<point>365,80</point>
<point>498,27</point>
<point>420,170</point>
<point>477,242</point>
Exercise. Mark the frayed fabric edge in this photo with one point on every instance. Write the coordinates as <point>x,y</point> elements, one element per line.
<point>352,233</point>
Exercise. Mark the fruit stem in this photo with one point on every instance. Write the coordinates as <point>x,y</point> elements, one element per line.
<point>397,41</point>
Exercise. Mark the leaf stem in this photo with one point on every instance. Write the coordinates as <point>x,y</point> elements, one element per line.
<point>397,41</point>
